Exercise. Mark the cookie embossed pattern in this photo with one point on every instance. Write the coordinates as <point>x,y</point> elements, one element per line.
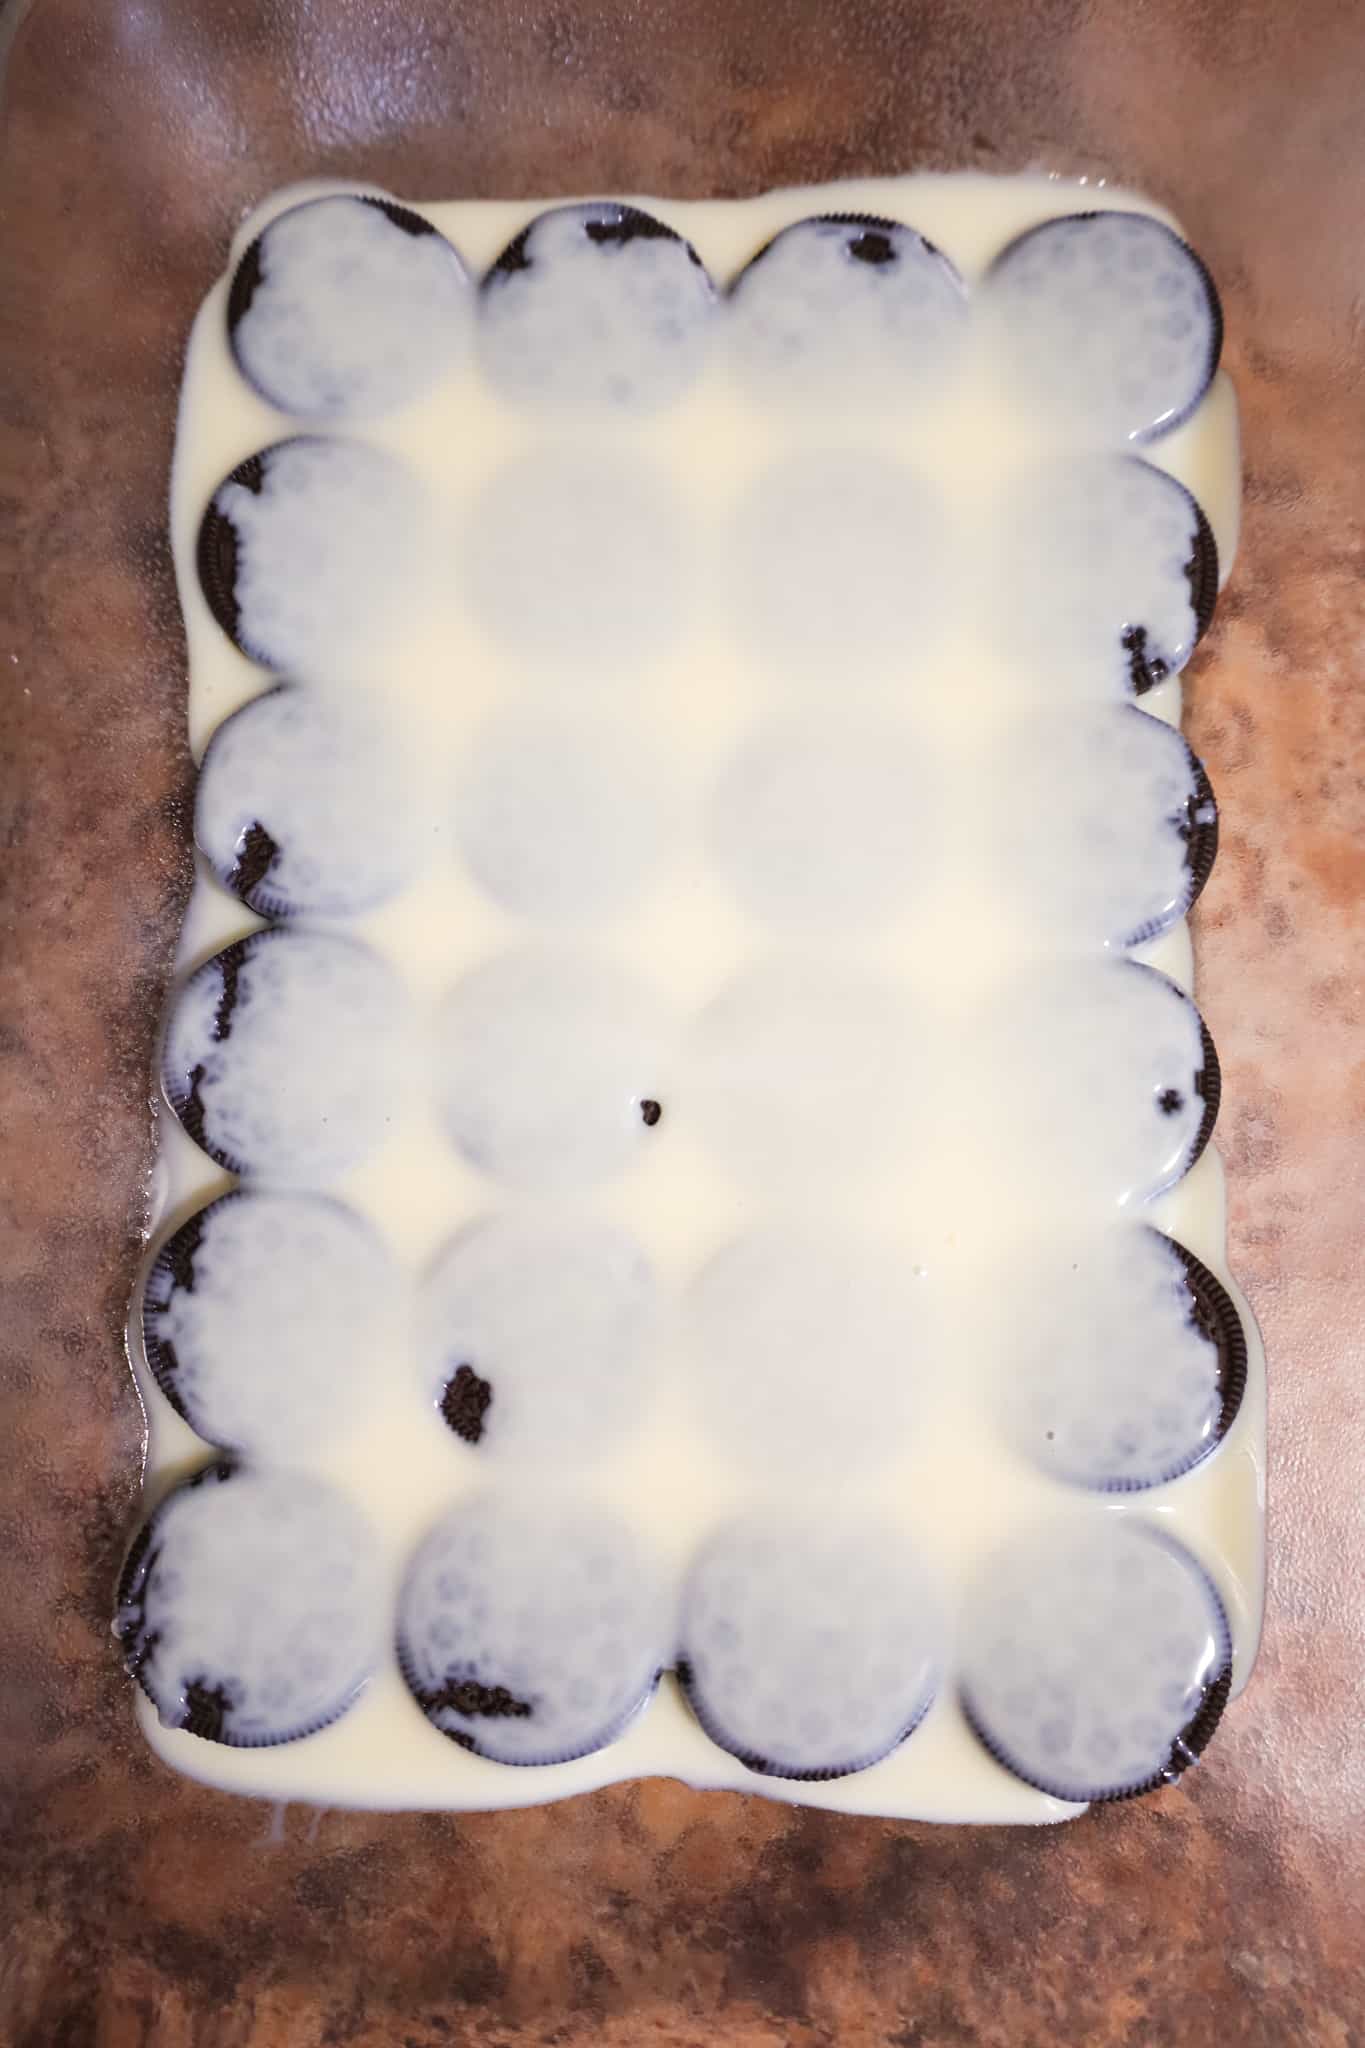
<point>688,1241</point>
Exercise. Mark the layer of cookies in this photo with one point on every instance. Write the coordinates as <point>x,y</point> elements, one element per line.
<point>716,1098</point>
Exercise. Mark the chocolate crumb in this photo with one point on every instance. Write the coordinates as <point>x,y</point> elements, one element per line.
<point>256,854</point>
<point>629,225</point>
<point>206,1709</point>
<point>872,247</point>
<point>1144,671</point>
<point>468,1696</point>
<point>465,1402</point>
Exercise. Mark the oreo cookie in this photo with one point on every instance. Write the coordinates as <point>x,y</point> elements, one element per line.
<point>249,1609</point>
<point>567,818</point>
<point>346,307</point>
<point>849,310</point>
<point>284,1055</point>
<point>536,1333</point>
<point>310,554</point>
<point>801,1074</point>
<point>308,804</point>
<point>1098,1081</point>
<point>576,558</point>
<point>543,1059</point>
<point>531,1632</point>
<point>809,1645</point>
<point>1106,829</point>
<point>1097,1659</point>
<point>807,1351</point>
<point>596,305</point>
<point>819,828</point>
<point>1123,1364</point>
<point>1106,571</point>
<point>1110,322</point>
<point>839,566</point>
<point>264,1321</point>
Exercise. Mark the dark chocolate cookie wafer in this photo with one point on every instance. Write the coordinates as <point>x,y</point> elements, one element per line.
<point>1123,1361</point>
<point>249,1608</point>
<point>346,307</point>
<point>846,310</point>
<point>1119,1090</point>
<point>1106,574</point>
<point>309,803</point>
<point>1112,322</point>
<point>1096,1659</point>
<point>265,1321</point>
<point>809,1643</point>
<point>309,555</point>
<point>536,1337</point>
<point>1106,830</point>
<point>531,1631</point>
<point>598,305</point>
<point>285,1054</point>
<point>544,1057</point>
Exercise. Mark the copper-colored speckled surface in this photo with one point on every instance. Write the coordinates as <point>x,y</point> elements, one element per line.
<point>139,1909</point>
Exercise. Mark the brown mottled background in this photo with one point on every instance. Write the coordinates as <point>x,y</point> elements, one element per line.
<point>139,1909</point>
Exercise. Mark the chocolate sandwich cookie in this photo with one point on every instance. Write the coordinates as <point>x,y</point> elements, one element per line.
<point>800,1074</point>
<point>818,826</point>
<point>249,1608</point>
<point>1123,1361</point>
<point>1096,1659</point>
<point>285,1054</point>
<point>1105,829</point>
<point>846,310</point>
<point>531,1631</point>
<point>307,803</point>
<point>809,1645</point>
<point>545,1059</point>
<point>598,305</point>
<point>567,817</point>
<point>309,555</point>
<point>838,565</point>
<point>807,1351</point>
<point>346,307</point>
<point>1105,575</point>
<point>1107,320</point>
<point>535,1334</point>
<point>1097,1082</point>
<point>265,1320</point>
<point>577,559</point>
